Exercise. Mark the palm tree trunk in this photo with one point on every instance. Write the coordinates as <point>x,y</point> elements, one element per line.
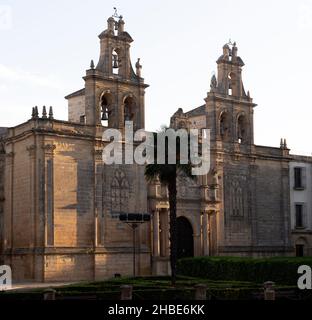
<point>172,188</point>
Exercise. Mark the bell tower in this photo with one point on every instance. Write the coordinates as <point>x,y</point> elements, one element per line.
<point>230,109</point>
<point>114,92</point>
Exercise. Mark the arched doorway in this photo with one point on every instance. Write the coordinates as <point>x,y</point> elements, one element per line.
<point>185,243</point>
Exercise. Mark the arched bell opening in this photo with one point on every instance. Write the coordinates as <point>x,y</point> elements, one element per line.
<point>232,84</point>
<point>115,61</point>
<point>129,108</point>
<point>106,102</point>
<point>241,126</point>
<point>224,126</point>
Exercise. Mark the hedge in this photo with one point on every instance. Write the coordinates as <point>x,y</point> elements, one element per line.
<point>282,270</point>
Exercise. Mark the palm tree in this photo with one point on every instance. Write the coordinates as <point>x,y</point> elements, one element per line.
<point>167,175</point>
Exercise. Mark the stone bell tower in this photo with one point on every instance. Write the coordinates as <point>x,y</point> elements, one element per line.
<point>230,109</point>
<point>114,92</point>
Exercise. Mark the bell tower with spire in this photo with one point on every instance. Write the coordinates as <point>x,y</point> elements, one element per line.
<point>229,107</point>
<point>114,92</point>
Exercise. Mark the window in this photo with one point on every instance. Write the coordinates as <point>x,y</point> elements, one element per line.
<point>129,106</point>
<point>299,250</point>
<point>299,178</point>
<point>120,192</point>
<point>83,119</point>
<point>237,199</point>
<point>241,128</point>
<point>299,216</point>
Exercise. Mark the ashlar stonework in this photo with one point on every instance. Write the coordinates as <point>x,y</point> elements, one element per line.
<point>59,204</point>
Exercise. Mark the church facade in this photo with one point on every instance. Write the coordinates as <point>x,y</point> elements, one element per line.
<point>60,204</point>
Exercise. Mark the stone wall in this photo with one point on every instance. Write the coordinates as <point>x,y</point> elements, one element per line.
<point>73,184</point>
<point>255,213</point>
<point>76,108</point>
<point>272,204</point>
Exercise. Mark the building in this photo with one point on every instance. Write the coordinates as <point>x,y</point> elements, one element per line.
<point>60,205</point>
<point>300,172</point>
<point>61,208</point>
<point>253,218</point>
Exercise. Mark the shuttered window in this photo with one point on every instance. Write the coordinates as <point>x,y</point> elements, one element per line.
<point>299,178</point>
<point>300,215</point>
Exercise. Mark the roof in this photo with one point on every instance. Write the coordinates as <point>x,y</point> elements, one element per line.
<point>197,111</point>
<point>78,93</point>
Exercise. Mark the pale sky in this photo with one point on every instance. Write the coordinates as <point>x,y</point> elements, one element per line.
<point>46,46</point>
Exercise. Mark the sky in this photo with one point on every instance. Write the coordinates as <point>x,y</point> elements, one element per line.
<point>46,46</point>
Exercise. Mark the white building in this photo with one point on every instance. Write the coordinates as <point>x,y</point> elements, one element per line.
<point>301,203</point>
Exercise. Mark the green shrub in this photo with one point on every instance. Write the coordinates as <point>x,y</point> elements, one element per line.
<point>282,270</point>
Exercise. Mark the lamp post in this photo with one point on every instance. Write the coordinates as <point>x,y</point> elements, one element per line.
<point>134,220</point>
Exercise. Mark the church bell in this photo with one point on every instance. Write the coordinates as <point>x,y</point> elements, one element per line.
<point>105,113</point>
<point>115,61</point>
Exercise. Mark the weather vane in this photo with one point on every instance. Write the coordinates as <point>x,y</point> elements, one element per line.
<point>115,15</point>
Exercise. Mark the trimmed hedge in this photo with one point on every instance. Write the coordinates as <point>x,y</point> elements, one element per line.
<point>282,270</point>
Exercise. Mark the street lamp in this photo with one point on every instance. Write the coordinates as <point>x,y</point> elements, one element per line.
<point>134,220</point>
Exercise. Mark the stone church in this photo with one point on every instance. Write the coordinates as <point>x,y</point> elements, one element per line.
<point>60,204</point>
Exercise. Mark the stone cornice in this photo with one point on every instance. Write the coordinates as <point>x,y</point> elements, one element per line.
<point>98,75</point>
<point>229,99</point>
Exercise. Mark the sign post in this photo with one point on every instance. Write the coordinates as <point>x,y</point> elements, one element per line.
<point>134,220</point>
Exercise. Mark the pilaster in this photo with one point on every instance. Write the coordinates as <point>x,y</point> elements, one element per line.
<point>48,193</point>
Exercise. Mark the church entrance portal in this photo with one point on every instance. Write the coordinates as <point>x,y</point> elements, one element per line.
<point>185,242</point>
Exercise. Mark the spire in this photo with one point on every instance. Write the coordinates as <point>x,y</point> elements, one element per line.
<point>44,113</point>
<point>92,64</point>
<point>51,113</point>
<point>36,113</point>
<point>33,113</point>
